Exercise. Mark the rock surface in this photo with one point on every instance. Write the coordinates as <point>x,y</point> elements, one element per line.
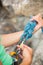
<point>14,14</point>
<point>38,55</point>
<point>23,7</point>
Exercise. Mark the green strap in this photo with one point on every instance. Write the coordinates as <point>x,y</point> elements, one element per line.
<point>4,57</point>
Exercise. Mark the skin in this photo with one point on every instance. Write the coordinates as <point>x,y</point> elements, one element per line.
<point>39,19</point>
<point>10,39</point>
<point>27,55</point>
<point>13,38</point>
<point>0,63</point>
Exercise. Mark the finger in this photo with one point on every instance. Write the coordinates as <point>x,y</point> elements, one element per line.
<point>37,28</point>
<point>21,46</point>
<point>29,49</point>
<point>37,17</point>
<point>18,46</point>
<point>20,56</point>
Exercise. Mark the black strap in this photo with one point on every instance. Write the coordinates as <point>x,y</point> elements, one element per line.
<point>15,63</point>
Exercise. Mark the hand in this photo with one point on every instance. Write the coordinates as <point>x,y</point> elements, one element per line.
<point>27,29</point>
<point>39,19</point>
<point>26,54</point>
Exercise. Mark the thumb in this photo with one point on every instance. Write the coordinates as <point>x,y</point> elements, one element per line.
<point>20,46</point>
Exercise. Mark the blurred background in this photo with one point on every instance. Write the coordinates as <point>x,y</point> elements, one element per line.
<point>14,15</point>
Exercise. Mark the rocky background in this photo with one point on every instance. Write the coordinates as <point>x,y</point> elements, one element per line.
<point>14,14</point>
